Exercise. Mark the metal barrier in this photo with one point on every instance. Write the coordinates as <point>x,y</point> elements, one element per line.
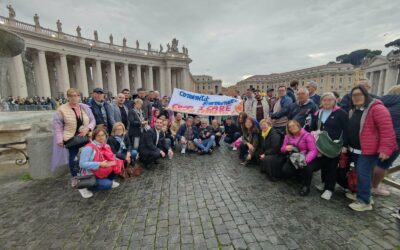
<point>17,107</point>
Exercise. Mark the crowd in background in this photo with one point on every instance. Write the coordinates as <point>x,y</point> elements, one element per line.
<point>289,135</point>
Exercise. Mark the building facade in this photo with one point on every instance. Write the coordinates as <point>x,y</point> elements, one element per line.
<point>54,61</point>
<point>330,77</point>
<point>205,84</point>
<point>383,72</point>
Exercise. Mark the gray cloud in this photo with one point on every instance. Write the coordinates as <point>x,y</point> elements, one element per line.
<point>230,39</point>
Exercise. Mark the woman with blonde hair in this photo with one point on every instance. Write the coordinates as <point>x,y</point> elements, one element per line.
<point>270,156</point>
<point>70,122</point>
<point>121,145</point>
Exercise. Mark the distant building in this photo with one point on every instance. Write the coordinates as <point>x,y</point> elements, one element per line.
<point>330,77</point>
<point>207,85</point>
<point>383,72</point>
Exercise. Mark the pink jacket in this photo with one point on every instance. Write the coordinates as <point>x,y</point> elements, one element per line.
<point>376,130</point>
<point>306,145</point>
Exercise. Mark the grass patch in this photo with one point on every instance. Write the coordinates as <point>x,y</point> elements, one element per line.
<point>25,177</point>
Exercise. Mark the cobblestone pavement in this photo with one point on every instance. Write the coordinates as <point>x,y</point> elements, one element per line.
<point>191,202</point>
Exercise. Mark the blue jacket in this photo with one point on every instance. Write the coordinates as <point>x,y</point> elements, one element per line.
<point>182,130</point>
<point>301,112</point>
<point>285,102</point>
<point>96,109</point>
<point>316,99</point>
<point>392,102</point>
<point>290,93</point>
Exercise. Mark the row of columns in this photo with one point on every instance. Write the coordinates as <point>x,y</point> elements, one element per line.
<point>55,75</point>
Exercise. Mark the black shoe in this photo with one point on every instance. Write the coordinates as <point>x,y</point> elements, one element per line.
<point>273,179</point>
<point>218,145</point>
<point>304,191</point>
<point>201,152</point>
<point>209,151</point>
<point>156,162</point>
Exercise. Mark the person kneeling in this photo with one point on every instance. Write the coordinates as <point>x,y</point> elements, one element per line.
<point>122,148</point>
<point>97,158</point>
<point>271,158</point>
<point>249,146</point>
<point>186,134</point>
<point>300,145</point>
<point>148,148</point>
<point>206,138</point>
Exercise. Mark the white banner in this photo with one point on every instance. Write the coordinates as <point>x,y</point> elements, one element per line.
<point>201,104</point>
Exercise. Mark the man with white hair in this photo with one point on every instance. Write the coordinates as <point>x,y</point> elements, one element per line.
<point>312,89</point>
<point>346,100</point>
<point>303,108</point>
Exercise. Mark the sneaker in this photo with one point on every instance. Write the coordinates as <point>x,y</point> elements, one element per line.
<point>380,191</point>
<point>244,163</point>
<point>327,195</point>
<point>320,187</point>
<point>360,206</point>
<point>234,149</point>
<point>183,151</point>
<point>85,193</point>
<point>353,196</point>
<point>115,184</point>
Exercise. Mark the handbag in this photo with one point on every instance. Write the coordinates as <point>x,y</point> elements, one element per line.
<point>85,181</point>
<point>352,180</point>
<point>325,145</point>
<point>297,158</point>
<point>76,141</point>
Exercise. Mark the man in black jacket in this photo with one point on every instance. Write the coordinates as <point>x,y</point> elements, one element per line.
<point>231,131</point>
<point>152,145</point>
<point>302,109</point>
<point>102,110</point>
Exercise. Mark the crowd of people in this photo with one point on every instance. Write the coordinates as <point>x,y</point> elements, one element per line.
<point>291,135</point>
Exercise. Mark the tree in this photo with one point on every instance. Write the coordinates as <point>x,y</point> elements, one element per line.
<point>396,44</point>
<point>356,57</point>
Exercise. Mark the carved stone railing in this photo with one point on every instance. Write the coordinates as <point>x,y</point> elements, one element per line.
<point>16,26</point>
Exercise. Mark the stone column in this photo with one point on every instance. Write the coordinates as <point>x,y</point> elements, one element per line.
<point>185,80</point>
<point>150,84</point>
<point>381,86</point>
<point>125,79</point>
<point>112,80</point>
<point>98,75</point>
<point>168,86</point>
<point>17,77</point>
<point>82,83</point>
<point>173,80</point>
<point>63,76</point>
<point>89,79</point>
<point>36,70</point>
<point>44,75</point>
<point>138,77</point>
<point>392,75</point>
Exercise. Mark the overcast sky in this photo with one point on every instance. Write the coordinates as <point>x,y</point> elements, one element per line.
<point>230,40</point>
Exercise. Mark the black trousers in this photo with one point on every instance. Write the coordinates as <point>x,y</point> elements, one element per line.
<point>147,156</point>
<point>328,168</point>
<point>305,174</point>
<point>272,165</point>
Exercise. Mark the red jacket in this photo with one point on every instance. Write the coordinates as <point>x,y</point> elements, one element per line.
<point>376,130</point>
<point>104,153</point>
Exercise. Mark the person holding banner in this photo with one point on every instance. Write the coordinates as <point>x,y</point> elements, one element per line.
<point>206,138</point>
<point>186,135</point>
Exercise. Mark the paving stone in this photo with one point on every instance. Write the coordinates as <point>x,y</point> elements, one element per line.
<point>181,206</point>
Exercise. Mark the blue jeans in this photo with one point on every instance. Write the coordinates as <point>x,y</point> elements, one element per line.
<point>103,184</point>
<point>204,145</point>
<point>364,166</point>
<point>134,154</point>
<point>73,152</point>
